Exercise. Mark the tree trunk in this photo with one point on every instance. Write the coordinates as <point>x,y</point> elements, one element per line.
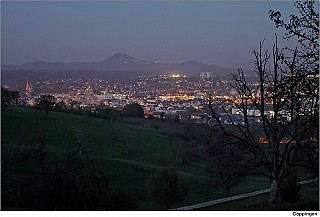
<point>274,192</point>
<point>227,192</point>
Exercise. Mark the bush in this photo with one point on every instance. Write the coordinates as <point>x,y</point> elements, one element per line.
<point>165,186</point>
<point>290,190</point>
<point>133,110</point>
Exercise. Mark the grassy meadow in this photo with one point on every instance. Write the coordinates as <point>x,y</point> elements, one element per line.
<point>126,155</point>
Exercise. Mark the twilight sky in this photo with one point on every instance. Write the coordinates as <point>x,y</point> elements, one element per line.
<point>221,33</point>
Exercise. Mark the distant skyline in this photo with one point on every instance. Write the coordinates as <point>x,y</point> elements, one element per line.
<point>220,33</point>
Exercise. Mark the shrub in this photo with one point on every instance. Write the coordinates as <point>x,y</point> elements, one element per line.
<point>165,186</point>
<point>290,190</point>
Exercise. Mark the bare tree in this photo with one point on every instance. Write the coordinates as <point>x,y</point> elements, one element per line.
<point>288,113</point>
<point>287,98</point>
<point>227,167</point>
<point>305,28</point>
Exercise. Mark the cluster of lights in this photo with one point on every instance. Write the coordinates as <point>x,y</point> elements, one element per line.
<point>175,76</point>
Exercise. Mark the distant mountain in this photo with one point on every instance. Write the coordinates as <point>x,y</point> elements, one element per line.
<point>120,57</point>
<point>122,61</point>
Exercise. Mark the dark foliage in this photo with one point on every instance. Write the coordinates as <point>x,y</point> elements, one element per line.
<point>133,110</point>
<point>46,103</point>
<point>290,189</point>
<point>70,185</point>
<point>165,187</point>
<point>64,188</point>
<point>8,97</point>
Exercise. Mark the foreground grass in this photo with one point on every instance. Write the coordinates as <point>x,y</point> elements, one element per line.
<point>309,194</point>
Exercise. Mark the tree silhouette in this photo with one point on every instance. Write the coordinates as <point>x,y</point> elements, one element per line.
<point>46,103</point>
<point>133,110</point>
<point>227,167</point>
<point>287,98</point>
<point>165,186</point>
<point>8,97</point>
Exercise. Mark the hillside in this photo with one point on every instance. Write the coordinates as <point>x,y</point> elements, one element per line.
<point>122,155</point>
<point>104,138</point>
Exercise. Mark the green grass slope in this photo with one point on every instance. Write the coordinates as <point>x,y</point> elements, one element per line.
<point>103,138</point>
<point>125,153</point>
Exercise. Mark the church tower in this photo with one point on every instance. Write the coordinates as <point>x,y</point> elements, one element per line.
<point>29,89</point>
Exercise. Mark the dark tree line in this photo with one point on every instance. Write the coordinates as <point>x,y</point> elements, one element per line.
<point>8,97</point>
<point>48,103</point>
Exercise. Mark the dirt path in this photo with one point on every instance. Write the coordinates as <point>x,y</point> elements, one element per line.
<point>147,165</point>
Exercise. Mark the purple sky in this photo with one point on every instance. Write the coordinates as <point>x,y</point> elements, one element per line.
<point>221,33</point>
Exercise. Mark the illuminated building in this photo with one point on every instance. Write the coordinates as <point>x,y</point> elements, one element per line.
<point>206,76</point>
<point>29,89</point>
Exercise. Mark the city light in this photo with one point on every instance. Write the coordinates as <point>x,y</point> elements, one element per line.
<point>175,76</point>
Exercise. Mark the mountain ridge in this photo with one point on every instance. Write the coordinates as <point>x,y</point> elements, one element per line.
<point>123,61</point>
<point>120,56</point>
